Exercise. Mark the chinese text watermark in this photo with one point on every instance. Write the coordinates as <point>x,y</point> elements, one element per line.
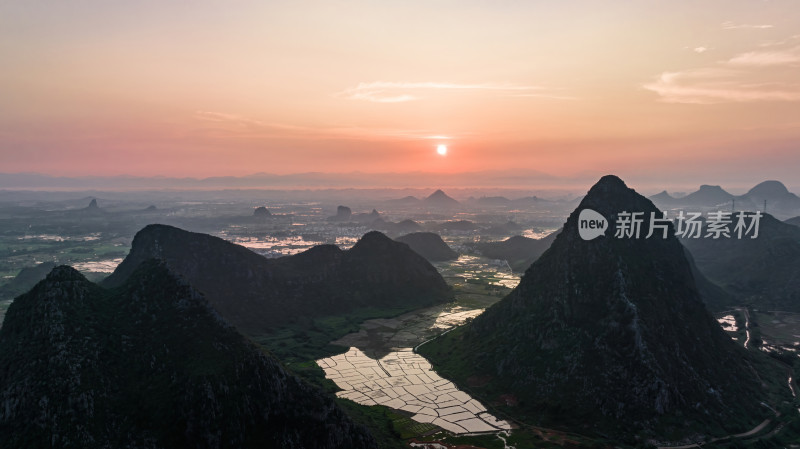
<point>688,225</point>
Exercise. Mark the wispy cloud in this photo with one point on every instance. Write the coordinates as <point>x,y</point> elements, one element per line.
<point>746,77</point>
<point>398,91</point>
<point>220,117</point>
<point>233,125</point>
<point>744,26</point>
<point>789,40</point>
<point>700,49</point>
<point>767,58</point>
<point>709,86</point>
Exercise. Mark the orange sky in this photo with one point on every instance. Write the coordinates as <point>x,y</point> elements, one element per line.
<point>206,88</point>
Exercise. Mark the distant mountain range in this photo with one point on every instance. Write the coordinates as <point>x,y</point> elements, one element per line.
<point>528,201</point>
<point>267,180</point>
<point>611,336</point>
<point>436,200</point>
<point>149,364</point>
<point>405,226</point>
<point>777,197</point>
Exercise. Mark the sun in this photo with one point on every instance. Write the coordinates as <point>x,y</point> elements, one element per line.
<point>442,150</point>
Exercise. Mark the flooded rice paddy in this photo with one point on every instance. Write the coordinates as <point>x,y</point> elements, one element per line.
<point>403,380</point>
<point>728,323</point>
<point>381,367</point>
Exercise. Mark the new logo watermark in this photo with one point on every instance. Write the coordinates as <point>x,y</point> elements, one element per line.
<point>591,224</point>
<point>688,225</point>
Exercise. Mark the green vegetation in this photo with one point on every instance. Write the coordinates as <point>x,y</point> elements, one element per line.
<point>389,427</point>
<point>379,420</point>
<point>17,252</point>
<point>489,441</point>
<point>309,339</point>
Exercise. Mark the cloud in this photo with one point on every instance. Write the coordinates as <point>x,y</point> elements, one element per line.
<point>767,58</point>
<point>714,85</point>
<point>232,125</point>
<point>789,40</point>
<point>747,77</point>
<point>744,26</point>
<point>398,92</point>
<point>700,49</point>
<point>220,117</point>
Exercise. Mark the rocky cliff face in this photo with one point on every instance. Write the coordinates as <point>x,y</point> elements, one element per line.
<point>256,294</point>
<point>611,333</point>
<point>148,364</point>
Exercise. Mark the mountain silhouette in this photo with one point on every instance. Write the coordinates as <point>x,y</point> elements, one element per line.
<point>520,252</point>
<point>429,245</point>
<point>706,196</point>
<point>261,211</point>
<point>25,279</point>
<point>608,334</point>
<point>405,226</point>
<point>343,213</point>
<point>775,194</point>
<point>663,199</point>
<point>149,364</point>
<point>439,199</point>
<point>762,271</point>
<point>406,201</point>
<point>257,294</point>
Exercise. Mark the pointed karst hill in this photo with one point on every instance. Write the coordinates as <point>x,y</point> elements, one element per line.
<point>258,294</point>
<point>441,200</point>
<point>91,210</point>
<point>607,335</point>
<point>149,365</point>
<point>429,245</point>
<point>663,198</point>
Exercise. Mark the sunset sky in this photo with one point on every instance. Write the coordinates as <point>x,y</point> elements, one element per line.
<point>699,90</point>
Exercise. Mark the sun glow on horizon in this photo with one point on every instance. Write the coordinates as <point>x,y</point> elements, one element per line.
<point>282,88</point>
